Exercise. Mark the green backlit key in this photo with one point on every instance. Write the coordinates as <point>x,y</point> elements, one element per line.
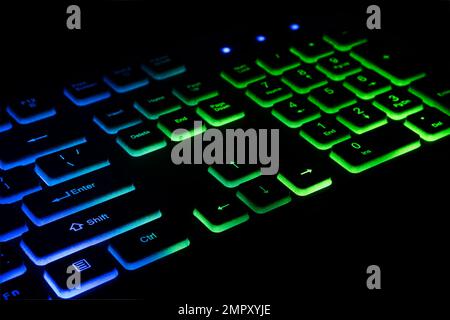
<point>264,194</point>
<point>375,147</point>
<point>304,179</point>
<point>398,104</point>
<point>181,119</point>
<point>362,117</point>
<point>430,124</point>
<point>193,91</point>
<point>367,84</point>
<point>232,174</point>
<point>241,75</point>
<point>295,112</point>
<point>304,79</point>
<point>324,133</point>
<point>311,50</point>
<point>153,104</point>
<point>140,140</point>
<point>277,62</point>
<point>433,92</point>
<point>268,92</point>
<point>218,112</point>
<point>338,66</point>
<point>344,40</point>
<point>332,98</point>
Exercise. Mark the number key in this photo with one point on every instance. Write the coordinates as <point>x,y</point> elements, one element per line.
<point>361,118</point>
<point>324,133</point>
<point>268,92</point>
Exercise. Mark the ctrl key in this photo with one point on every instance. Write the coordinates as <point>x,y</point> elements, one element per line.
<point>78,273</point>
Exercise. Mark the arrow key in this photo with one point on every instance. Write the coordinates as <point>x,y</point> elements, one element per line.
<point>304,180</point>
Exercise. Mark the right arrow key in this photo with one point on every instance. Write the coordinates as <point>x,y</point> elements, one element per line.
<point>304,180</point>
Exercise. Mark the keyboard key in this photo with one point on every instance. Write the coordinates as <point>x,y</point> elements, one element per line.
<point>140,140</point>
<point>311,50</point>
<point>304,179</point>
<point>219,112</point>
<point>182,119</point>
<point>338,66</point>
<point>5,124</point>
<point>67,198</point>
<point>232,174</point>
<point>389,64</point>
<point>304,79</point>
<point>268,92</point>
<point>295,112</point>
<point>25,146</point>
<point>30,109</point>
<point>12,223</point>
<point>70,163</point>
<point>153,104</point>
<point>85,229</point>
<point>126,79</point>
<point>324,133</point>
<point>84,93</point>
<point>366,85</point>
<point>430,124</point>
<point>163,67</point>
<point>147,244</point>
<point>361,118</point>
<point>344,40</point>
<point>23,288</point>
<point>11,264</point>
<point>17,183</point>
<point>398,104</point>
<point>94,266</point>
<point>433,92</point>
<point>277,62</point>
<point>375,147</point>
<point>264,194</point>
<point>241,75</point>
<point>221,213</point>
<point>113,119</point>
<point>192,91</point>
<point>332,98</point>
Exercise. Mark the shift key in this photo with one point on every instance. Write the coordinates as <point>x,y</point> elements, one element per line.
<point>70,197</point>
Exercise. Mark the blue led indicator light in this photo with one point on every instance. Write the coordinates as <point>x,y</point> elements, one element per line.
<point>294,26</point>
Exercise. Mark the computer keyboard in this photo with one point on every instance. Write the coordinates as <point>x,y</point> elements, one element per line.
<point>77,169</point>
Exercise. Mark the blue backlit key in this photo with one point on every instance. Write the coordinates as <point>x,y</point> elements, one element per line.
<point>12,222</point>
<point>17,183</point>
<point>84,93</point>
<point>70,163</point>
<point>163,67</point>
<point>75,195</point>
<point>11,264</point>
<point>24,288</point>
<point>94,266</point>
<point>112,120</point>
<point>126,79</point>
<point>30,109</point>
<point>5,124</point>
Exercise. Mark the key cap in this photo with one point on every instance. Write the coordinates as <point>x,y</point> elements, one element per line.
<point>312,49</point>
<point>113,119</point>
<point>295,112</point>
<point>11,264</point>
<point>267,92</point>
<point>277,62</point>
<point>30,109</point>
<point>324,133</point>
<point>367,85</point>
<point>181,119</point>
<point>85,229</point>
<point>332,98</point>
<point>389,64</point>
<point>84,93</point>
<point>304,79</point>
<point>241,75</point>
<point>163,67</point>
<point>147,244</point>
<point>12,222</point>
<point>193,91</point>
<point>17,183</point>
<point>361,118</point>
<point>70,163</point>
<point>23,288</point>
<point>219,111</point>
<point>26,145</point>
<point>304,179</point>
<point>344,40</point>
<point>69,197</point>
<point>5,124</point>
<point>398,104</point>
<point>232,174</point>
<point>153,104</point>
<point>94,267</point>
<point>338,66</point>
<point>430,124</point>
<point>433,92</point>
<point>126,79</point>
<point>264,194</point>
<point>220,212</point>
<point>374,148</point>
<point>140,140</point>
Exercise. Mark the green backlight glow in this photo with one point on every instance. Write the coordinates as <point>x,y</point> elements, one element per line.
<point>268,104</point>
<point>309,59</point>
<point>339,77</point>
<point>154,116</point>
<point>332,110</point>
<point>306,191</point>
<point>143,151</point>
<point>397,115</point>
<point>294,124</point>
<point>194,102</point>
<point>430,137</point>
<point>234,183</point>
<point>343,47</point>
<point>361,130</point>
<point>217,123</point>
<point>265,209</point>
<point>276,72</point>
<point>241,85</point>
<point>303,90</point>
<point>222,227</point>
<point>429,101</point>
<point>188,134</point>
<point>322,146</point>
<point>365,95</point>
